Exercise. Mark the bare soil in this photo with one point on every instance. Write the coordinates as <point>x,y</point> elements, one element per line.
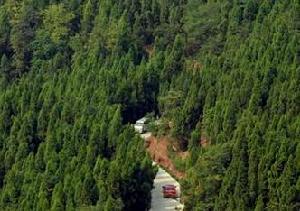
<point>158,149</point>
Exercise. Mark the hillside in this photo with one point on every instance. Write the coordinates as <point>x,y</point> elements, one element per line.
<point>75,74</point>
<point>245,99</point>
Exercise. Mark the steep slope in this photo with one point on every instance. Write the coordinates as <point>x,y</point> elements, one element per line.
<point>240,90</point>
<point>74,73</point>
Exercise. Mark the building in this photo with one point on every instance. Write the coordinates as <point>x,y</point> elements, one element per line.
<point>141,125</point>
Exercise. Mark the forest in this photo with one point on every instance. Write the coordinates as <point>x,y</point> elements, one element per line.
<point>75,74</point>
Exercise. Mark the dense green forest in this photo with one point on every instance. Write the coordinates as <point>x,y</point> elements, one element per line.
<point>244,98</point>
<point>67,69</point>
<point>75,73</point>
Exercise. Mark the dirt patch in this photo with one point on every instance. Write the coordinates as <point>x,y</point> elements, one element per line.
<point>158,149</point>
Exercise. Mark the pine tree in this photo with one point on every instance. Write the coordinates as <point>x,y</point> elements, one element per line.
<point>114,130</point>
<point>22,34</point>
<point>5,69</point>
<point>56,20</point>
<point>174,62</point>
<point>4,31</point>
<point>58,198</point>
<point>87,22</point>
<point>259,204</point>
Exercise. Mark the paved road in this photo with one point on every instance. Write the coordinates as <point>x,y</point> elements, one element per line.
<point>158,202</point>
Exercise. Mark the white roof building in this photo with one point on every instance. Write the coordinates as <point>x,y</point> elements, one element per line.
<point>140,125</point>
<point>142,120</point>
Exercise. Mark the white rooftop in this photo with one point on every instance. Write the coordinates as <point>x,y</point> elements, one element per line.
<point>142,120</point>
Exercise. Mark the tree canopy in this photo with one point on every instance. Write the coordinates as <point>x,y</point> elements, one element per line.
<point>75,74</point>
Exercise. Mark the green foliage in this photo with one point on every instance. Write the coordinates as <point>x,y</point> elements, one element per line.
<point>56,20</point>
<point>75,74</point>
<point>4,30</point>
<point>63,136</point>
<point>203,24</point>
<point>24,24</point>
<point>243,79</point>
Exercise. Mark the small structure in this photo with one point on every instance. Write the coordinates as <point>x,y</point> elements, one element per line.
<point>141,125</point>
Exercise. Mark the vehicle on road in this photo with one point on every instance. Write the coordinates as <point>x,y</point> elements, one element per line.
<point>169,191</point>
<point>168,187</point>
<point>170,194</point>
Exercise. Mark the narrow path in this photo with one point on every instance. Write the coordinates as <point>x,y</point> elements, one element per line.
<point>158,202</point>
